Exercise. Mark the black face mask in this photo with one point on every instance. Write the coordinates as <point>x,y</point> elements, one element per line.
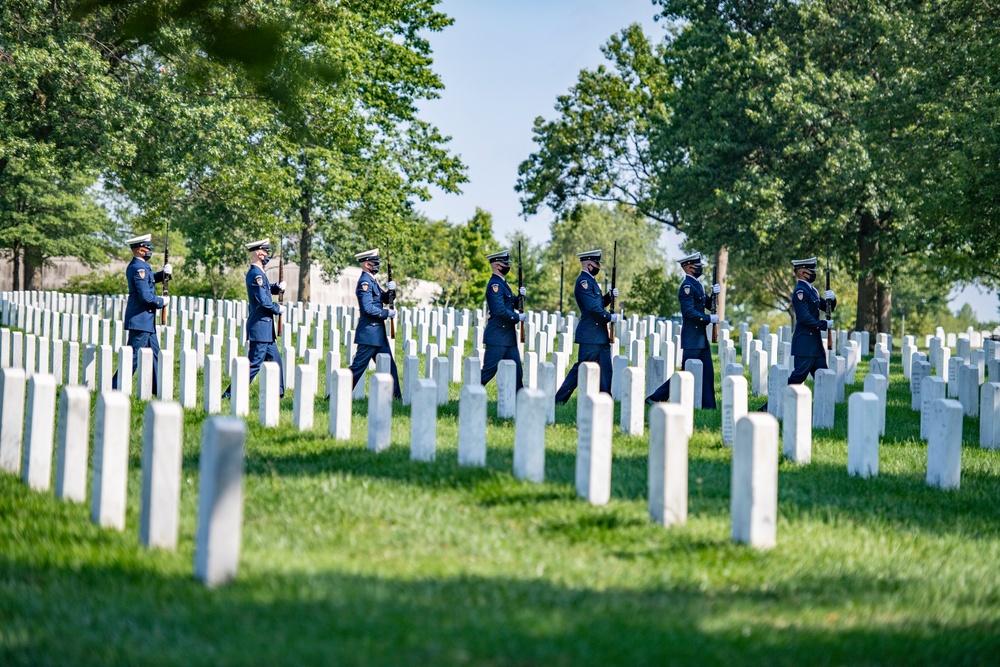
<point>594,270</point>
<point>267,258</point>
<point>504,269</point>
<point>811,277</point>
<point>147,254</point>
<point>375,268</point>
<point>698,271</point>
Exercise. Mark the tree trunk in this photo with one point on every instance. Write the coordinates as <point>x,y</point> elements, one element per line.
<point>884,308</point>
<point>722,268</point>
<point>15,264</point>
<point>305,248</point>
<point>32,268</point>
<point>867,319</point>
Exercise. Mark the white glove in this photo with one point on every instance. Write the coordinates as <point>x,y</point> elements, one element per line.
<point>522,317</point>
<point>615,317</point>
<point>167,269</point>
<point>614,292</point>
<point>829,294</point>
<point>282,285</point>
<point>829,325</point>
<point>716,288</point>
<point>714,319</point>
<point>522,291</point>
<point>392,313</point>
<point>391,286</point>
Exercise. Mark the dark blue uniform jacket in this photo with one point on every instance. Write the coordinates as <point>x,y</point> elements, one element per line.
<point>694,303</point>
<point>807,340</point>
<point>593,326</point>
<point>501,327</point>
<point>371,324</point>
<point>142,303</point>
<point>260,323</point>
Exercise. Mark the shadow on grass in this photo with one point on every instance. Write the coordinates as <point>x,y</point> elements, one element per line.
<point>132,614</point>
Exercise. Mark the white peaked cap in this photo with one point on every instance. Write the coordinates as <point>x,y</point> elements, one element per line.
<point>367,255</point>
<point>145,238</point>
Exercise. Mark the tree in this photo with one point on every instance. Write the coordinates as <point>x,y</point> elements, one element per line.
<point>59,122</point>
<point>454,256</point>
<point>594,226</point>
<point>44,216</point>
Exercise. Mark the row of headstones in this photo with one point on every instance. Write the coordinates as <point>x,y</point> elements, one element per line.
<point>754,505</point>
<point>971,337</point>
<point>27,435</point>
<point>976,400</point>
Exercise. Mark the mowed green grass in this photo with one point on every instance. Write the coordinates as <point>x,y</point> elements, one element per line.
<point>352,558</point>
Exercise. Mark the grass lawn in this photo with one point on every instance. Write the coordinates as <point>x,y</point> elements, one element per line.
<point>351,558</point>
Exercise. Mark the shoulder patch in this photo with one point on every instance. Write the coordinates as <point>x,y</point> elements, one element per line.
<point>584,283</point>
<point>800,294</point>
<point>260,280</point>
<point>496,288</point>
<point>364,287</point>
<point>687,289</point>
<point>142,273</point>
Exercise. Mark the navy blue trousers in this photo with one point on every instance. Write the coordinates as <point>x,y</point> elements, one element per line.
<point>365,354</point>
<point>804,367</point>
<point>491,361</point>
<point>259,352</point>
<point>704,355</point>
<point>601,353</point>
<point>138,340</point>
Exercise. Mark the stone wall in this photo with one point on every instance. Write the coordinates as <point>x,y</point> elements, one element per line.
<point>55,273</point>
<point>341,292</point>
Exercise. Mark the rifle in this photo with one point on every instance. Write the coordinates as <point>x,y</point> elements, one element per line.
<point>829,310</point>
<point>281,279</point>
<point>166,278</point>
<point>715,304</point>
<point>392,293</point>
<point>519,302</point>
<point>614,280</point>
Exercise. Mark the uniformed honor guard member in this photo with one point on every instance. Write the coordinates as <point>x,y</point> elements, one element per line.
<point>592,338</point>
<point>261,333</point>
<point>694,339</point>
<point>807,341</point>
<point>370,336</point>
<point>140,311</point>
<point>500,336</point>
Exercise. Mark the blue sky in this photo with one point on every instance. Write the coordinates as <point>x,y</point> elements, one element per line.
<point>503,63</point>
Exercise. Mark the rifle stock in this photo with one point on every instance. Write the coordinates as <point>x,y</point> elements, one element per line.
<point>166,279</point>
